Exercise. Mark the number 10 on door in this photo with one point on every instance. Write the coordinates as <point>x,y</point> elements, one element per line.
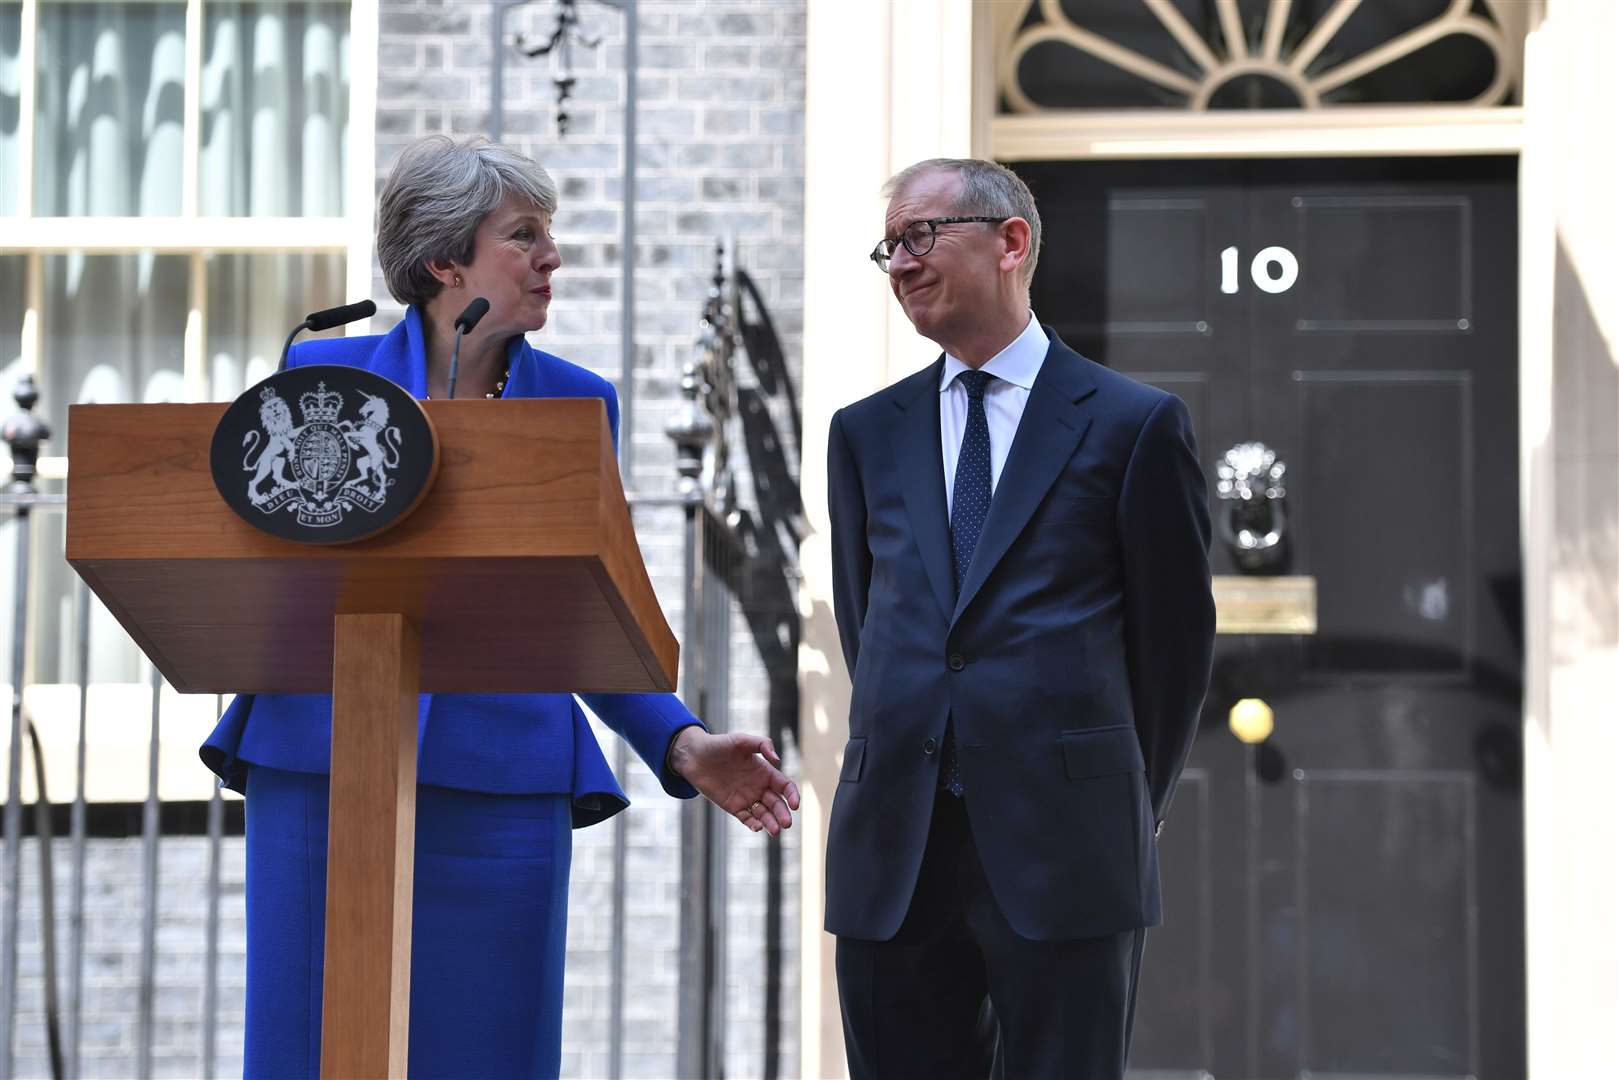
<point>1273,270</point>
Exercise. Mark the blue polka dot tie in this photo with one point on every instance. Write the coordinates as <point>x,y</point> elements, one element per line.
<point>968,507</point>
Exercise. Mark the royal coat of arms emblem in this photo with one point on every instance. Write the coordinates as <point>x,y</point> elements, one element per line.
<point>324,477</point>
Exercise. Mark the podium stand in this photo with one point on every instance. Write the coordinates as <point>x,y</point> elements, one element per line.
<point>518,573</point>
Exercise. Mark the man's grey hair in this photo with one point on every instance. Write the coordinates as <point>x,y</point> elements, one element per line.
<point>987,189</point>
<point>437,194</point>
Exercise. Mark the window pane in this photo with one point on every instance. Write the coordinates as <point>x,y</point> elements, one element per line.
<point>112,329</point>
<point>275,97</point>
<point>1470,44</point>
<point>110,113</point>
<point>254,301</point>
<point>13,298</point>
<point>10,104</point>
<point>12,286</point>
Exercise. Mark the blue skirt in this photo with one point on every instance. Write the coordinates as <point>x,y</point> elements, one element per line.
<point>488,939</point>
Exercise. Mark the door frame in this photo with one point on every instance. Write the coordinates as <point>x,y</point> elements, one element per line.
<point>884,89</point>
<point>1391,132</point>
<point>1394,132</point>
<point>1196,180</point>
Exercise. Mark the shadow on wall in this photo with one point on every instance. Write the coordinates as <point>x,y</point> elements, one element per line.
<point>826,685</point>
<point>824,724</point>
<point>1585,441</point>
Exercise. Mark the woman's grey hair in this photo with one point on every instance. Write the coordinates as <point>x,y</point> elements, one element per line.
<point>987,189</point>
<point>437,194</point>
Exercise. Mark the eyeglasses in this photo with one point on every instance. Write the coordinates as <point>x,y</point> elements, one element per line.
<point>918,237</point>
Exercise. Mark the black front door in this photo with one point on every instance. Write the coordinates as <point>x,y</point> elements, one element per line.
<point>1344,898</point>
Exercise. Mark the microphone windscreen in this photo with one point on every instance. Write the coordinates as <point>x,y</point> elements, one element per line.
<point>476,310</point>
<point>337,316</point>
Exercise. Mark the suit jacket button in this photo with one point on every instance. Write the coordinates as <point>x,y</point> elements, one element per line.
<point>957,661</point>
<point>929,747</point>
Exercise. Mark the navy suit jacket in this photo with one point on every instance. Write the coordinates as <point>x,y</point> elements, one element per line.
<point>509,744</point>
<point>1072,665</point>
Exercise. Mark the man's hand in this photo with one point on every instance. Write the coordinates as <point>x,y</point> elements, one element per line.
<point>739,774</point>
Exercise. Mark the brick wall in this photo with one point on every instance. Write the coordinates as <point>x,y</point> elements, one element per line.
<point>720,155</point>
<point>113,907</point>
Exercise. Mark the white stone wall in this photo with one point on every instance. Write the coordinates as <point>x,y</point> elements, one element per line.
<point>1569,402</point>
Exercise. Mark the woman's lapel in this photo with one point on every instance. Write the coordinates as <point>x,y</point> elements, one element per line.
<point>524,365</point>
<point>402,355</point>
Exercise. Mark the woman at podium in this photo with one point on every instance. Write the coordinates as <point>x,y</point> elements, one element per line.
<point>503,778</point>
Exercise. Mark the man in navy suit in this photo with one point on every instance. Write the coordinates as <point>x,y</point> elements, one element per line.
<point>1020,556</point>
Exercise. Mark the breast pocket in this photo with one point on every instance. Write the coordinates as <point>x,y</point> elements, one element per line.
<point>1074,509</point>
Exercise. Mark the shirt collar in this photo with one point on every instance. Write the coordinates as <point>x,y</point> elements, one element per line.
<point>1017,364</point>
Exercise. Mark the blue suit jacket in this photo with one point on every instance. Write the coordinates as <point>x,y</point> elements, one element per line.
<point>1073,664</point>
<point>498,743</point>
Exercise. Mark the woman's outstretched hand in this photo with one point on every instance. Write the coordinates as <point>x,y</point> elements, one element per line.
<point>738,773</point>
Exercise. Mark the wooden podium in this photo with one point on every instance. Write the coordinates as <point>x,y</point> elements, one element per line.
<point>519,572</point>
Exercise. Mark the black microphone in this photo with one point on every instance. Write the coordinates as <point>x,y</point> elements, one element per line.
<point>464,322</point>
<point>325,320</point>
<point>337,316</point>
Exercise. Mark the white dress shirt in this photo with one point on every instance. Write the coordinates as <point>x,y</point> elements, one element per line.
<point>1014,368</point>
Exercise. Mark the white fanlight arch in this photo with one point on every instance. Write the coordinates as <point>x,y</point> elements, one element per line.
<point>1279,48</point>
<point>1231,53</point>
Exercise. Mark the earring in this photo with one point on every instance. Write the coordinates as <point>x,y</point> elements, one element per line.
<point>458,281</point>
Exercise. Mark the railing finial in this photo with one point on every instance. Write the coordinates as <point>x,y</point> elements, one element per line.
<point>23,432</point>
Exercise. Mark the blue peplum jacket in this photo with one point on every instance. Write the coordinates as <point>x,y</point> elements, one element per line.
<point>505,744</point>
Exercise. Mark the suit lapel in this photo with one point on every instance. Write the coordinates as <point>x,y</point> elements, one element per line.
<point>1053,424</point>
<point>919,467</point>
<point>524,377</point>
<point>401,355</point>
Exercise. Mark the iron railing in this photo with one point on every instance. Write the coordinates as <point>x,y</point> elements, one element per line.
<point>739,562</point>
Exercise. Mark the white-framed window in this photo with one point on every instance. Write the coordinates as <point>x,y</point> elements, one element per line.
<point>180,182</point>
<point>177,187</point>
